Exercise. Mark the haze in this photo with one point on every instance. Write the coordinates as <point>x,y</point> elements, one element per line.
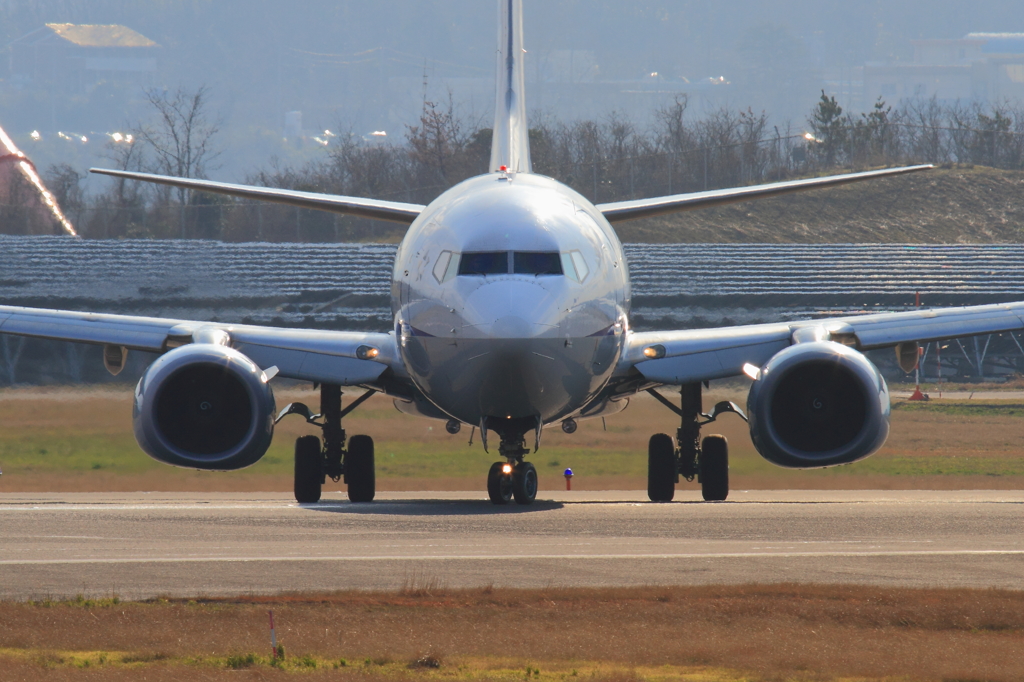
<point>368,66</point>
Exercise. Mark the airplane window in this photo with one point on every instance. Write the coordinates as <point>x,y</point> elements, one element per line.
<point>453,267</point>
<point>581,265</point>
<point>568,267</point>
<point>484,263</point>
<point>441,266</point>
<point>534,263</point>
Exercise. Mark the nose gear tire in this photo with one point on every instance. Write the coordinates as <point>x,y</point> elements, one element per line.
<point>499,484</point>
<point>359,470</point>
<point>714,469</point>
<point>662,468</point>
<point>309,476</point>
<point>524,483</point>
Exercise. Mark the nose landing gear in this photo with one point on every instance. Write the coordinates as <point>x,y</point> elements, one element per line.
<point>513,478</point>
<point>506,482</point>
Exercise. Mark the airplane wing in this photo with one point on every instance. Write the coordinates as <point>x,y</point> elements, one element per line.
<point>305,354</point>
<point>393,211</point>
<point>676,357</point>
<point>621,211</point>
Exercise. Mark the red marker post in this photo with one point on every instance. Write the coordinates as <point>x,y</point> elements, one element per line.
<point>568,479</point>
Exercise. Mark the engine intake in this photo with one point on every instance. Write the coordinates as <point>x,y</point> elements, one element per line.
<point>818,404</point>
<point>204,406</point>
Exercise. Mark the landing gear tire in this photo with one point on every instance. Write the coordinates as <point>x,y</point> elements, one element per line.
<point>359,471</point>
<point>499,484</point>
<point>524,483</point>
<point>714,468</point>
<point>662,468</point>
<point>309,476</point>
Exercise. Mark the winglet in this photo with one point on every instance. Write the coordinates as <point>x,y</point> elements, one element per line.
<point>510,146</point>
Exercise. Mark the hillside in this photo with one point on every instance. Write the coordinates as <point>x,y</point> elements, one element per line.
<point>954,205</point>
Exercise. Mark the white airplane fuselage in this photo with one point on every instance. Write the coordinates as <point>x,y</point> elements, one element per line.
<point>533,337</point>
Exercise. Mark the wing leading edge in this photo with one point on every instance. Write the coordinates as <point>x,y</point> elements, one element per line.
<point>705,354</point>
<point>304,354</point>
<point>621,211</point>
<point>367,208</point>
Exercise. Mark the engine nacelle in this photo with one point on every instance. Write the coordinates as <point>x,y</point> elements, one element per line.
<point>204,406</point>
<point>816,405</point>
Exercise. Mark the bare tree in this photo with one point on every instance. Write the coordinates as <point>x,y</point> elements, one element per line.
<point>181,139</point>
<point>437,142</point>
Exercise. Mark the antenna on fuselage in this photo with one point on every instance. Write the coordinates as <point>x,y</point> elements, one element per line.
<point>510,146</point>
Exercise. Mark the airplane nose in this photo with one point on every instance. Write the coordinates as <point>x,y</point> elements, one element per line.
<point>511,309</point>
<point>512,327</point>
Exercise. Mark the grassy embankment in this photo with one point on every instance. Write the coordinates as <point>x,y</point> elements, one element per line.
<point>962,205</point>
<point>720,633</point>
<point>81,440</point>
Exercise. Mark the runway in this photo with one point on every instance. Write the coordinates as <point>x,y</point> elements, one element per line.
<point>147,544</point>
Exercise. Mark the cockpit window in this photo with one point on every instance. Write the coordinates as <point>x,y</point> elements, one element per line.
<point>484,263</point>
<point>441,266</point>
<point>537,263</point>
<point>581,265</point>
<point>574,266</point>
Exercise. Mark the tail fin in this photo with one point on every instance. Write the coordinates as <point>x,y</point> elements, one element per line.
<point>511,143</point>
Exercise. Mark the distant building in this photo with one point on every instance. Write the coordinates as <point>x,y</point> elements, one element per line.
<point>78,56</point>
<point>979,66</point>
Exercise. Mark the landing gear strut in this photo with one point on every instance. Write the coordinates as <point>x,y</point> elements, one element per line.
<point>689,457</point>
<point>314,464</point>
<point>513,478</point>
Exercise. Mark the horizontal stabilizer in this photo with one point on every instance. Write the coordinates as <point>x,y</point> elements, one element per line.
<point>367,208</point>
<point>647,208</point>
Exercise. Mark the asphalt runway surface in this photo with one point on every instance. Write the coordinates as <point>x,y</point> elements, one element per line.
<point>148,544</point>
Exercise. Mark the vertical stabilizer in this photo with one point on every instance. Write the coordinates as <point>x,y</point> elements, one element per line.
<point>511,144</point>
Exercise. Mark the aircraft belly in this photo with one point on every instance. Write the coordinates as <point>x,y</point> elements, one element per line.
<point>475,378</point>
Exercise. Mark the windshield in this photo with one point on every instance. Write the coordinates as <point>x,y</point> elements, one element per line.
<point>536,263</point>
<point>484,263</point>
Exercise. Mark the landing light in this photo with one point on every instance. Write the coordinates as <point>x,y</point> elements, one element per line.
<point>752,371</point>
<point>367,352</point>
<point>654,352</point>
<point>506,469</point>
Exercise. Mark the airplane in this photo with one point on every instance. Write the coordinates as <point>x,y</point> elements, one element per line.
<point>511,300</point>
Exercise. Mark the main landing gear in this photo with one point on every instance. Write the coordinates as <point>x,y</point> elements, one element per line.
<point>689,456</point>
<point>314,464</point>
<point>513,479</point>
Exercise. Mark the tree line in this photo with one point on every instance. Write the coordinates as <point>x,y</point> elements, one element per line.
<point>609,159</point>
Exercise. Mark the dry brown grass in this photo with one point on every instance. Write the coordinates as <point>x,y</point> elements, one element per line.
<point>763,632</point>
<point>77,427</point>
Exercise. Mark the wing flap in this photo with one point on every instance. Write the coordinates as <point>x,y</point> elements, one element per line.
<point>367,208</point>
<point>621,211</point>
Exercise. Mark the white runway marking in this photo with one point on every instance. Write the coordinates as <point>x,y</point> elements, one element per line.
<point>514,557</point>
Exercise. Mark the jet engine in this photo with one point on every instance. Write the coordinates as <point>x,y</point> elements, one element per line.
<point>818,404</point>
<point>204,406</point>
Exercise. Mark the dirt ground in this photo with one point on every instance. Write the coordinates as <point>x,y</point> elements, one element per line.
<point>710,633</point>
<point>81,440</point>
